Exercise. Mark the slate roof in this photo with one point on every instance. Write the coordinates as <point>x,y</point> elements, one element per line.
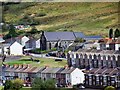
<point>11,40</point>
<point>55,36</point>
<point>1,40</point>
<point>38,69</point>
<point>79,35</point>
<point>51,70</point>
<point>104,71</point>
<point>93,37</point>
<point>68,70</point>
<point>98,51</point>
<point>31,40</point>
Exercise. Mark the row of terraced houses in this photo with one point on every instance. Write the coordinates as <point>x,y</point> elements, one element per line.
<point>101,67</point>
<point>64,76</point>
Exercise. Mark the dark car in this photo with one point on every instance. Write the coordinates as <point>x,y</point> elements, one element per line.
<point>58,59</point>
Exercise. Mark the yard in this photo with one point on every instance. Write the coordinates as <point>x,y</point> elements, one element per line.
<point>43,62</point>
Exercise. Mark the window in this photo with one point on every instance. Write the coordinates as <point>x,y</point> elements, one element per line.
<point>105,80</point>
<point>90,80</point>
<point>97,80</point>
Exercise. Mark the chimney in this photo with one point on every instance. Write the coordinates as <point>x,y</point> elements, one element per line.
<point>46,66</point>
<point>15,65</point>
<point>20,66</point>
<point>6,65</point>
<point>66,66</point>
<point>28,65</point>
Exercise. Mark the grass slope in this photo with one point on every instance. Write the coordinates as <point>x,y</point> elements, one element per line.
<point>90,18</point>
<point>43,62</point>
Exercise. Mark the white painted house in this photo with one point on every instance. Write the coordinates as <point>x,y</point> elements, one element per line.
<point>38,43</point>
<point>24,39</point>
<point>117,46</point>
<point>72,75</point>
<point>77,76</point>
<point>16,49</point>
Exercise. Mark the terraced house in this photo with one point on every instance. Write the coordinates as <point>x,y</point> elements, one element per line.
<point>64,76</point>
<point>94,58</point>
<point>100,77</point>
<point>101,67</point>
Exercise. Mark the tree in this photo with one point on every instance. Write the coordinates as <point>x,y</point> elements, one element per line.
<point>116,33</point>
<point>40,84</point>
<point>33,30</point>
<point>8,85</point>
<point>37,84</point>
<point>110,88</point>
<point>79,40</point>
<point>111,33</point>
<point>12,32</point>
<point>17,84</point>
<point>50,84</point>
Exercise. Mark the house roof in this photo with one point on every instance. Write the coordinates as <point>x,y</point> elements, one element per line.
<point>51,70</point>
<point>13,39</point>
<point>16,43</point>
<point>79,34</point>
<point>104,71</point>
<point>10,40</point>
<point>6,44</point>
<point>38,69</point>
<point>55,36</point>
<point>31,40</point>
<point>2,40</point>
<point>97,37</point>
<point>68,70</point>
<point>109,41</point>
<point>12,68</point>
<point>98,51</point>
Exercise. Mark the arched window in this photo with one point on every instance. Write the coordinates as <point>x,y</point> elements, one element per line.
<point>104,61</point>
<point>50,45</point>
<point>77,56</point>
<point>114,61</point>
<point>118,61</point>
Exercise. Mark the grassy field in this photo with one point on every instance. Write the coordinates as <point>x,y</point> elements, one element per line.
<point>1,87</point>
<point>43,62</point>
<point>90,18</point>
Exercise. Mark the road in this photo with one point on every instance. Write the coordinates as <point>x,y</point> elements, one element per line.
<point>12,58</point>
<point>44,56</point>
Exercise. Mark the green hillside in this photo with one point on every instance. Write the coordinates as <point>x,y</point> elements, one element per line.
<point>90,18</point>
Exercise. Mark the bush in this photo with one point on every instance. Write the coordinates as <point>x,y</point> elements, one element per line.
<point>39,84</point>
<point>110,88</point>
<point>41,14</point>
<point>17,84</point>
<point>8,85</point>
<point>12,32</point>
<point>79,40</point>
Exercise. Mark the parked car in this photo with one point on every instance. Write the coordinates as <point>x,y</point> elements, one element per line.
<point>58,59</point>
